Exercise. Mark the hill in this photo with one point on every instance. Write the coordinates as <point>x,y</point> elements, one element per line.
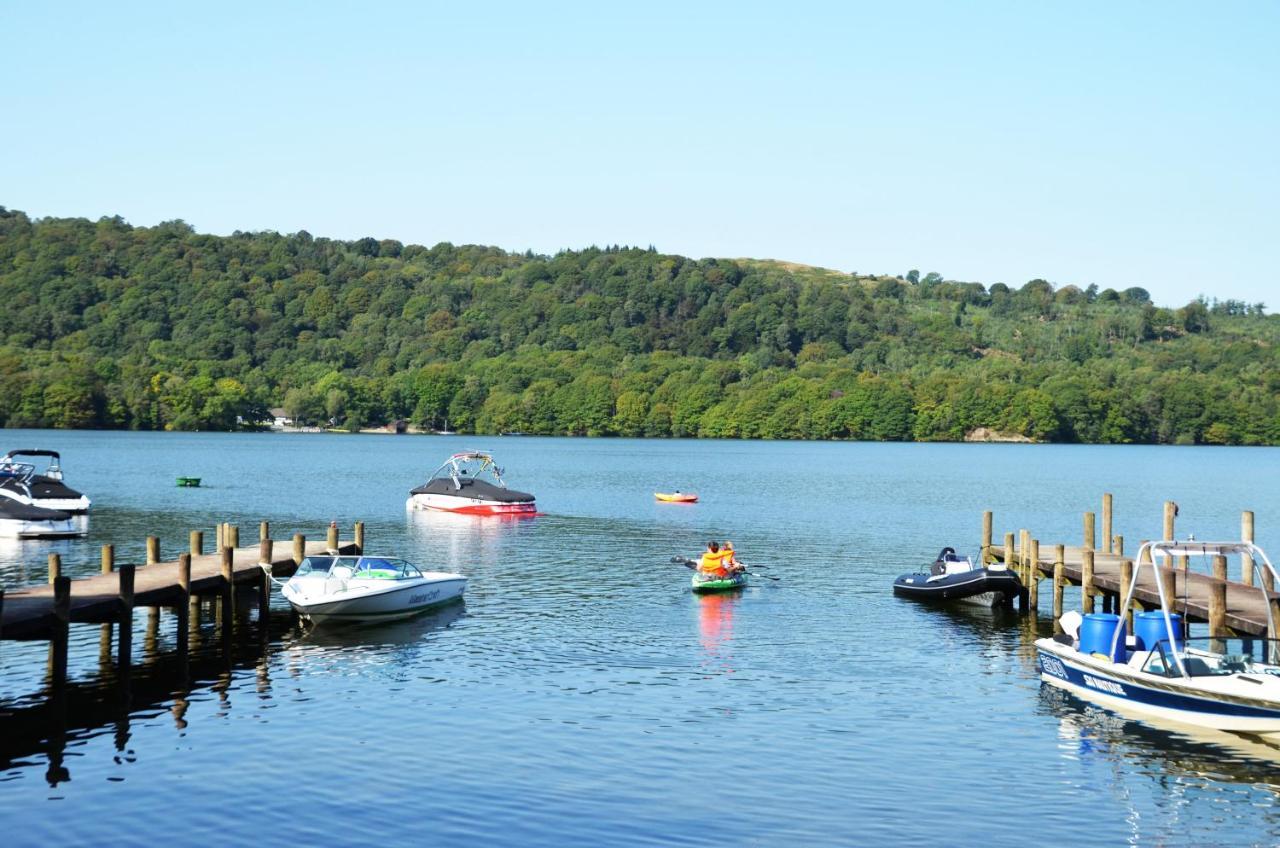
<point>109,325</point>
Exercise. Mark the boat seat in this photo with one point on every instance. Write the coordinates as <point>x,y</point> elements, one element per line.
<point>1196,667</point>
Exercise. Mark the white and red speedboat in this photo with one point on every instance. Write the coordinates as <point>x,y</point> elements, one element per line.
<point>457,486</point>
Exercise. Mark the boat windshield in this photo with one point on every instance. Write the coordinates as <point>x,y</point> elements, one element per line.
<point>315,566</point>
<point>385,568</point>
<point>1209,656</point>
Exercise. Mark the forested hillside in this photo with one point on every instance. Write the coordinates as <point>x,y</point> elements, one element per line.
<point>108,325</point>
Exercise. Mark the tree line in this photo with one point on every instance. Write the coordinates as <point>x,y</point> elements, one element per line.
<point>106,325</point>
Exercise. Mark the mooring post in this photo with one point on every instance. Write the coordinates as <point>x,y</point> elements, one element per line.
<point>264,530</point>
<point>1126,578</point>
<point>197,543</point>
<point>153,621</point>
<point>55,568</point>
<point>264,585</point>
<point>233,536</point>
<point>1033,575</point>
<point>359,534</point>
<point>182,606</point>
<point>1008,551</point>
<point>985,553</point>
<point>61,628</point>
<point>1246,535</point>
<point>299,549</point>
<point>124,645</point>
<point>1170,513</point>
<point>153,550</point>
<point>219,538</point>
<point>1117,545</point>
<point>331,539</point>
<point>1106,522</point>
<point>1090,530</point>
<point>1059,584</point>
<point>1086,580</point>
<point>228,606</point>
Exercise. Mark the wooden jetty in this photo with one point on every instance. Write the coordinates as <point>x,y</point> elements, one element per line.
<point>1103,573</point>
<point>43,612</point>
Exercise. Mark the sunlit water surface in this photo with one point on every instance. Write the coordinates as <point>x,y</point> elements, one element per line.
<point>583,696</point>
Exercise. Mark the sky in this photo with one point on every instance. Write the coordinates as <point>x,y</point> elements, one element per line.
<point>1121,145</point>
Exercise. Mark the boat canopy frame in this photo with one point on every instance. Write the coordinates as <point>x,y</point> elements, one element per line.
<point>1147,553</point>
<point>53,471</point>
<point>454,467</point>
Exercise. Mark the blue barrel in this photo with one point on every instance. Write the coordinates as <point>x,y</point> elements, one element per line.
<point>1096,633</point>
<point>1149,629</point>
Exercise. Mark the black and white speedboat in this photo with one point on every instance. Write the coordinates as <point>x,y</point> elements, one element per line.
<point>21,480</point>
<point>20,520</point>
<point>952,577</point>
<point>457,486</point>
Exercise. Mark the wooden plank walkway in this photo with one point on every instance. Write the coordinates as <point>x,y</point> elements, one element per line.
<point>29,613</point>
<point>1247,607</point>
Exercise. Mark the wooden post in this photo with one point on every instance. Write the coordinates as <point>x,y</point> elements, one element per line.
<point>62,621</point>
<point>264,551</point>
<point>1117,546</point>
<point>1246,535</point>
<point>182,606</point>
<point>55,568</point>
<point>264,589</point>
<point>233,535</point>
<point>1167,574</point>
<point>108,559</point>
<point>1274,630</point>
<point>1059,583</point>
<point>153,550</point>
<point>228,588</point>
<point>219,541</point>
<point>124,645</point>
<point>1086,580</point>
<point>299,549</point>
<point>1090,530</point>
<point>1106,521</point>
<point>1126,577</point>
<point>331,540</point>
<point>264,530</point>
<point>197,543</point>
<point>359,533</point>
<point>985,554</point>
<point>1033,574</point>
<point>1170,513</point>
<point>1008,551</point>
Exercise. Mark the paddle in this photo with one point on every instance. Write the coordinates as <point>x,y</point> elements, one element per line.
<point>691,564</point>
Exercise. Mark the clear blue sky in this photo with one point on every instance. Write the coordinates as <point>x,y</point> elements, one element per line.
<point>1117,144</point>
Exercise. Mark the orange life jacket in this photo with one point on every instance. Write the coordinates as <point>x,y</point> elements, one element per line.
<point>714,563</point>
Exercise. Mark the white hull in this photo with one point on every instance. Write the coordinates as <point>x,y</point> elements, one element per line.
<point>467,506</point>
<point>70,528</point>
<point>379,603</point>
<point>75,506</point>
<point>1218,703</point>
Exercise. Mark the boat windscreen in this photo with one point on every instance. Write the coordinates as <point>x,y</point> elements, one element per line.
<point>315,565</point>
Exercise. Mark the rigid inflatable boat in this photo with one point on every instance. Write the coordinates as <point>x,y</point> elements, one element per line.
<point>952,577</point>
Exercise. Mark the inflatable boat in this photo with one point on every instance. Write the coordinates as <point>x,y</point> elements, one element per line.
<point>952,577</point>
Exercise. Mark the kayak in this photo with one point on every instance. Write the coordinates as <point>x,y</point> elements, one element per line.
<point>676,497</point>
<point>719,584</point>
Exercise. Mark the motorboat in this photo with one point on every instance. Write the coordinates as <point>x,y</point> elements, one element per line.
<point>367,588</point>
<point>20,520</point>
<point>21,480</point>
<point>676,497</point>
<point>460,485</point>
<point>952,577</point>
<point>1218,682</point>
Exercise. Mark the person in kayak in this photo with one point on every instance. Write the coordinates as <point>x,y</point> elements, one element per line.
<point>731,564</point>
<point>713,561</point>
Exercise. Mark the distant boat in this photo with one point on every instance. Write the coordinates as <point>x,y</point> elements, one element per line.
<point>513,433</point>
<point>456,487</point>
<point>189,482</point>
<point>676,497</point>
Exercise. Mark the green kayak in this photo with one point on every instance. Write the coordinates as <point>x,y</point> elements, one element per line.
<point>719,584</point>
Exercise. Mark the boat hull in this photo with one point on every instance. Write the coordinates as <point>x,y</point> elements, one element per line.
<point>726,584</point>
<point>670,498</point>
<point>399,601</point>
<point>469,506</point>
<point>981,586</point>
<point>1119,688</point>
<point>68,528</point>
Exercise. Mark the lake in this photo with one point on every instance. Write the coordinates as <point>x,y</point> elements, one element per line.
<point>582,695</point>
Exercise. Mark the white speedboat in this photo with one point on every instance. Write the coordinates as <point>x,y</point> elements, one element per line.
<point>21,480</point>
<point>1222,683</point>
<point>20,520</point>
<point>458,486</point>
<point>367,588</point>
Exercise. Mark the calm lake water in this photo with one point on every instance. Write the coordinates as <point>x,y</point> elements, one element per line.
<point>583,696</point>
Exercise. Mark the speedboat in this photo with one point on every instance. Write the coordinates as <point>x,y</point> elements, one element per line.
<point>1217,682</point>
<point>367,588</point>
<point>21,481</point>
<point>953,577</point>
<point>458,486</point>
<point>20,520</point>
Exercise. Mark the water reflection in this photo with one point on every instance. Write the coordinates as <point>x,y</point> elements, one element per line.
<point>715,628</point>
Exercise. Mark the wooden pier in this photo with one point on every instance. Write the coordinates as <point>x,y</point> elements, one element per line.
<point>44,612</point>
<point>1229,607</point>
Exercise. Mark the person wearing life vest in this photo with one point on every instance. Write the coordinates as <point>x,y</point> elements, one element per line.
<point>730,561</point>
<point>713,561</point>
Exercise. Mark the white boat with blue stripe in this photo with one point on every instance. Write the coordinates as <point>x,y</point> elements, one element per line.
<point>1224,683</point>
<point>367,588</point>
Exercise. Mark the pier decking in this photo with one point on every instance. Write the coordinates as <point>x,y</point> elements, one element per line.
<point>1229,607</point>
